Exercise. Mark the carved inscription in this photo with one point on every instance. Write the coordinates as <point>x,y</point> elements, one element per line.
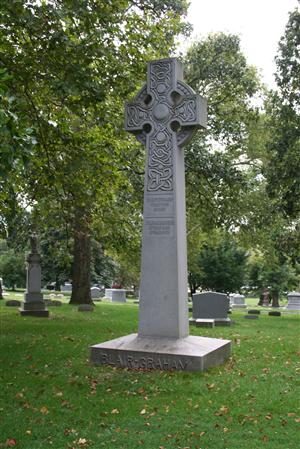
<point>159,206</point>
<point>160,228</point>
<point>134,362</point>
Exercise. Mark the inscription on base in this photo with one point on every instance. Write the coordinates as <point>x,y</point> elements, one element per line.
<point>143,362</point>
<point>159,206</point>
<point>159,228</point>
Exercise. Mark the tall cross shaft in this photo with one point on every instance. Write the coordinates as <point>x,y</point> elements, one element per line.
<point>164,116</point>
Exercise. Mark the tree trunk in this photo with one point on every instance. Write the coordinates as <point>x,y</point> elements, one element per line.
<point>81,279</point>
<point>275,298</point>
<point>1,289</point>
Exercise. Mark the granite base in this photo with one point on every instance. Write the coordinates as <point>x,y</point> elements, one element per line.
<point>188,354</point>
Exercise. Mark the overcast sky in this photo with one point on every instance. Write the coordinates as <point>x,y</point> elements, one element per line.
<point>259,23</point>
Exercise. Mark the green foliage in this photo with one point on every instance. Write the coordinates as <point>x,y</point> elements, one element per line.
<point>283,166</point>
<point>220,265</point>
<point>12,269</point>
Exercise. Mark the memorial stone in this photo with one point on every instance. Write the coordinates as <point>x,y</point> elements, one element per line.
<point>293,301</point>
<point>211,305</point>
<point>118,295</point>
<point>238,301</point>
<point>33,298</point>
<point>96,293</point>
<point>164,116</point>
<point>66,287</point>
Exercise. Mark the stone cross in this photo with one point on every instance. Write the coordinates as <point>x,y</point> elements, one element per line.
<point>164,116</point>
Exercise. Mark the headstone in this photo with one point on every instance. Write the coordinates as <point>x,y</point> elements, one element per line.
<point>211,305</point>
<point>12,303</point>
<point>254,312</point>
<point>238,301</point>
<point>33,298</point>
<point>164,116</point>
<point>274,313</point>
<point>67,287</point>
<point>118,295</point>
<point>108,293</point>
<point>293,301</point>
<point>85,308</point>
<point>251,317</point>
<point>96,293</point>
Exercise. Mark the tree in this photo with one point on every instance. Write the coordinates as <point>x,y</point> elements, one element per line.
<point>72,65</point>
<point>283,165</point>
<point>221,265</point>
<point>12,269</point>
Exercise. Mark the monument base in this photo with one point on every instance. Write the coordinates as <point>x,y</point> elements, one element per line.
<point>187,354</point>
<point>40,313</point>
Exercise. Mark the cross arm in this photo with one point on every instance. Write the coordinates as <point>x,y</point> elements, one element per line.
<point>136,116</point>
<point>192,111</point>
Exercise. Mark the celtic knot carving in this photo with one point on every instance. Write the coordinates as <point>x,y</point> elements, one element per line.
<point>165,100</point>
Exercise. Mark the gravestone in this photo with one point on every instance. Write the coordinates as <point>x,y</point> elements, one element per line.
<point>118,295</point>
<point>67,287</point>
<point>33,298</point>
<point>238,301</point>
<point>96,293</point>
<point>108,293</point>
<point>13,303</point>
<point>293,301</point>
<point>163,117</point>
<point>211,305</point>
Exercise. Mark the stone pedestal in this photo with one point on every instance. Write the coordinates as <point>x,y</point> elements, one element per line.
<point>163,116</point>
<point>118,295</point>
<point>33,299</point>
<point>238,302</point>
<point>293,301</point>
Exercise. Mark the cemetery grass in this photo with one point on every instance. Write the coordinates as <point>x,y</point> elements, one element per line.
<point>51,397</point>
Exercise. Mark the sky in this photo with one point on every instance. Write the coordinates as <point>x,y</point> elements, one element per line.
<point>259,23</point>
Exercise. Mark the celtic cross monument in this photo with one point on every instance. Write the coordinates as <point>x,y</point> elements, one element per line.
<point>164,116</point>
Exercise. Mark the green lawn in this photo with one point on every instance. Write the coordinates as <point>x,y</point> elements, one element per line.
<point>51,397</point>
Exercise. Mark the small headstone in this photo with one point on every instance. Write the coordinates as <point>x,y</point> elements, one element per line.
<point>274,313</point>
<point>33,304</point>
<point>238,301</point>
<point>96,293</point>
<point>85,308</point>
<point>108,293</point>
<point>210,305</point>
<point>293,301</point>
<point>251,317</point>
<point>12,303</point>
<point>205,322</point>
<point>254,312</point>
<point>67,287</point>
<point>118,295</point>
<point>52,302</point>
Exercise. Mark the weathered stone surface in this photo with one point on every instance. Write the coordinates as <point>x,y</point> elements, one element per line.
<point>188,354</point>
<point>52,303</point>
<point>33,304</point>
<point>12,303</point>
<point>85,308</point>
<point>254,312</point>
<point>238,301</point>
<point>210,305</point>
<point>205,322</point>
<point>164,115</point>
<point>293,301</point>
<point>96,293</point>
<point>274,313</point>
<point>251,317</point>
<point>223,322</point>
<point>118,295</point>
<point>66,287</point>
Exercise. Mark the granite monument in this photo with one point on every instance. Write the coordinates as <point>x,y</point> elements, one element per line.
<point>164,116</point>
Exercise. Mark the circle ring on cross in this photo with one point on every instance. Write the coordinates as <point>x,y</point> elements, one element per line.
<point>161,111</point>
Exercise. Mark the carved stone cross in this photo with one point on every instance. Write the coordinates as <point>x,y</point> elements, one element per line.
<point>164,115</point>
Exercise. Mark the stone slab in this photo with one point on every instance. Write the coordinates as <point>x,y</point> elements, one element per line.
<point>223,322</point>
<point>39,313</point>
<point>210,305</point>
<point>254,312</point>
<point>191,353</point>
<point>251,317</point>
<point>205,322</point>
<point>13,303</point>
<point>274,313</point>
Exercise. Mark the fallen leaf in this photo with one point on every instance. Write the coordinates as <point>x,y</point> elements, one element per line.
<point>115,411</point>
<point>142,412</point>
<point>44,410</point>
<point>10,442</point>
